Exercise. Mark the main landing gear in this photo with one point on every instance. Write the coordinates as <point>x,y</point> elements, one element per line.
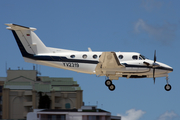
<point>167,87</point>
<point>109,84</point>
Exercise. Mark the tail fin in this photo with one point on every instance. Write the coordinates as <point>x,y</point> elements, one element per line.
<point>28,42</point>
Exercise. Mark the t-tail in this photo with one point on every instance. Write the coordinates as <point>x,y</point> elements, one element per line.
<point>32,48</point>
<point>28,42</point>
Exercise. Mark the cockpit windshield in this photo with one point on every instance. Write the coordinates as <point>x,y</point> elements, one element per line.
<point>143,57</point>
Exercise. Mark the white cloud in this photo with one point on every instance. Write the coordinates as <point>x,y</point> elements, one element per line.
<point>132,114</point>
<point>164,33</point>
<point>168,116</point>
<point>150,5</point>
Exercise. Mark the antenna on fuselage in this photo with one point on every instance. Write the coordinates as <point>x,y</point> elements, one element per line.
<point>89,49</point>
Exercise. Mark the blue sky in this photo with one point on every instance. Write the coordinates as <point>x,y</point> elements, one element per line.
<point>128,26</point>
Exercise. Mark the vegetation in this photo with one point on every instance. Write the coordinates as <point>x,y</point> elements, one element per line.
<point>44,101</point>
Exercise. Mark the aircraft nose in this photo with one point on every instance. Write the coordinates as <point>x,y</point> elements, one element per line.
<point>167,67</point>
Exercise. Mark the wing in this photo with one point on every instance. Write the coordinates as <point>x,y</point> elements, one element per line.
<point>108,64</point>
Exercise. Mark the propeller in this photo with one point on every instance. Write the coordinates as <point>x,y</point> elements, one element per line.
<point>154,65</point>
<point>154,56</point>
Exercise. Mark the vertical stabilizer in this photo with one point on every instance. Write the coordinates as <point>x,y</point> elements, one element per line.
<point>27,40</point>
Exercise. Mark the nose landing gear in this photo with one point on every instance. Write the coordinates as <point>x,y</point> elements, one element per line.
<point>109,84</point>
<point>167,87</point>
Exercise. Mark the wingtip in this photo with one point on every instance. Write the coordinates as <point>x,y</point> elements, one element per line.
<point>8,24</point>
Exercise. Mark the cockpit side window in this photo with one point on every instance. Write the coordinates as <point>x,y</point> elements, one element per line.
<point>143,57</point>
<point>134,57</point>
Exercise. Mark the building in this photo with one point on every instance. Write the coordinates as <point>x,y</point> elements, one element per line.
<point>2,79</point>
<point>85,113</point>
<point>21,93</point>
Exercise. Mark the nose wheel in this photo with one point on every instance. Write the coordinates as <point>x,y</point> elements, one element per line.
<point>167,87</point>
<point>109,84</point>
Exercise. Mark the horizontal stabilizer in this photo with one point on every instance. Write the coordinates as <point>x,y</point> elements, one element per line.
<point>19,27</point>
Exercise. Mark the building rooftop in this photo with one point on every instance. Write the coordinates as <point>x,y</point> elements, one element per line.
<point>28,79</point>
<point>73,110</point>
<point>86,112</point>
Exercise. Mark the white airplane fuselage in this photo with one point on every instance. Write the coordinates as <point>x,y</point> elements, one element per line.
<point>134,67</point>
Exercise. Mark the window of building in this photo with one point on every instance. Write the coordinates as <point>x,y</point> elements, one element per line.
<point>61,117</point>
<point>134,57</point>
<point>56,117</point>
<point>67,106</point>
<point>72,56</point>
<point>53,117</point>
<point>1,87</point>
<point>91,117</point>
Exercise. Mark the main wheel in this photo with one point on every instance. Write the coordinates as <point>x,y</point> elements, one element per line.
<point>167,87</point>
<point>111,87</point>
<point>108,82</point>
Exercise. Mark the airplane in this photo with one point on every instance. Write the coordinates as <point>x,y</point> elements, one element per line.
<point>110,64</point>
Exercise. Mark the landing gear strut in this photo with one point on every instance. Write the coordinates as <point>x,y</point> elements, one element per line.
<point>167,87</point>
<point>109,84</point>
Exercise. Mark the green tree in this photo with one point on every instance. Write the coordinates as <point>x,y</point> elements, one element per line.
<point>44,101</point>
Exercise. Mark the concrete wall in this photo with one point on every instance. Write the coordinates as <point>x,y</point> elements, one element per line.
<point>17,103</point>
<point>5,103</point>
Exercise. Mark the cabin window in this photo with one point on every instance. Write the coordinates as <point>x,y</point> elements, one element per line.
<point>134,57</point>
<point>72,56</point>
<point>120,56</point>
<point>84,56</point>
<point>95,56</point>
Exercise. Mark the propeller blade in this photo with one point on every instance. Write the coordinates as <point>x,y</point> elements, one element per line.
<point>154,66</point>
<point>154,56</point>
<point>154,75</point>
